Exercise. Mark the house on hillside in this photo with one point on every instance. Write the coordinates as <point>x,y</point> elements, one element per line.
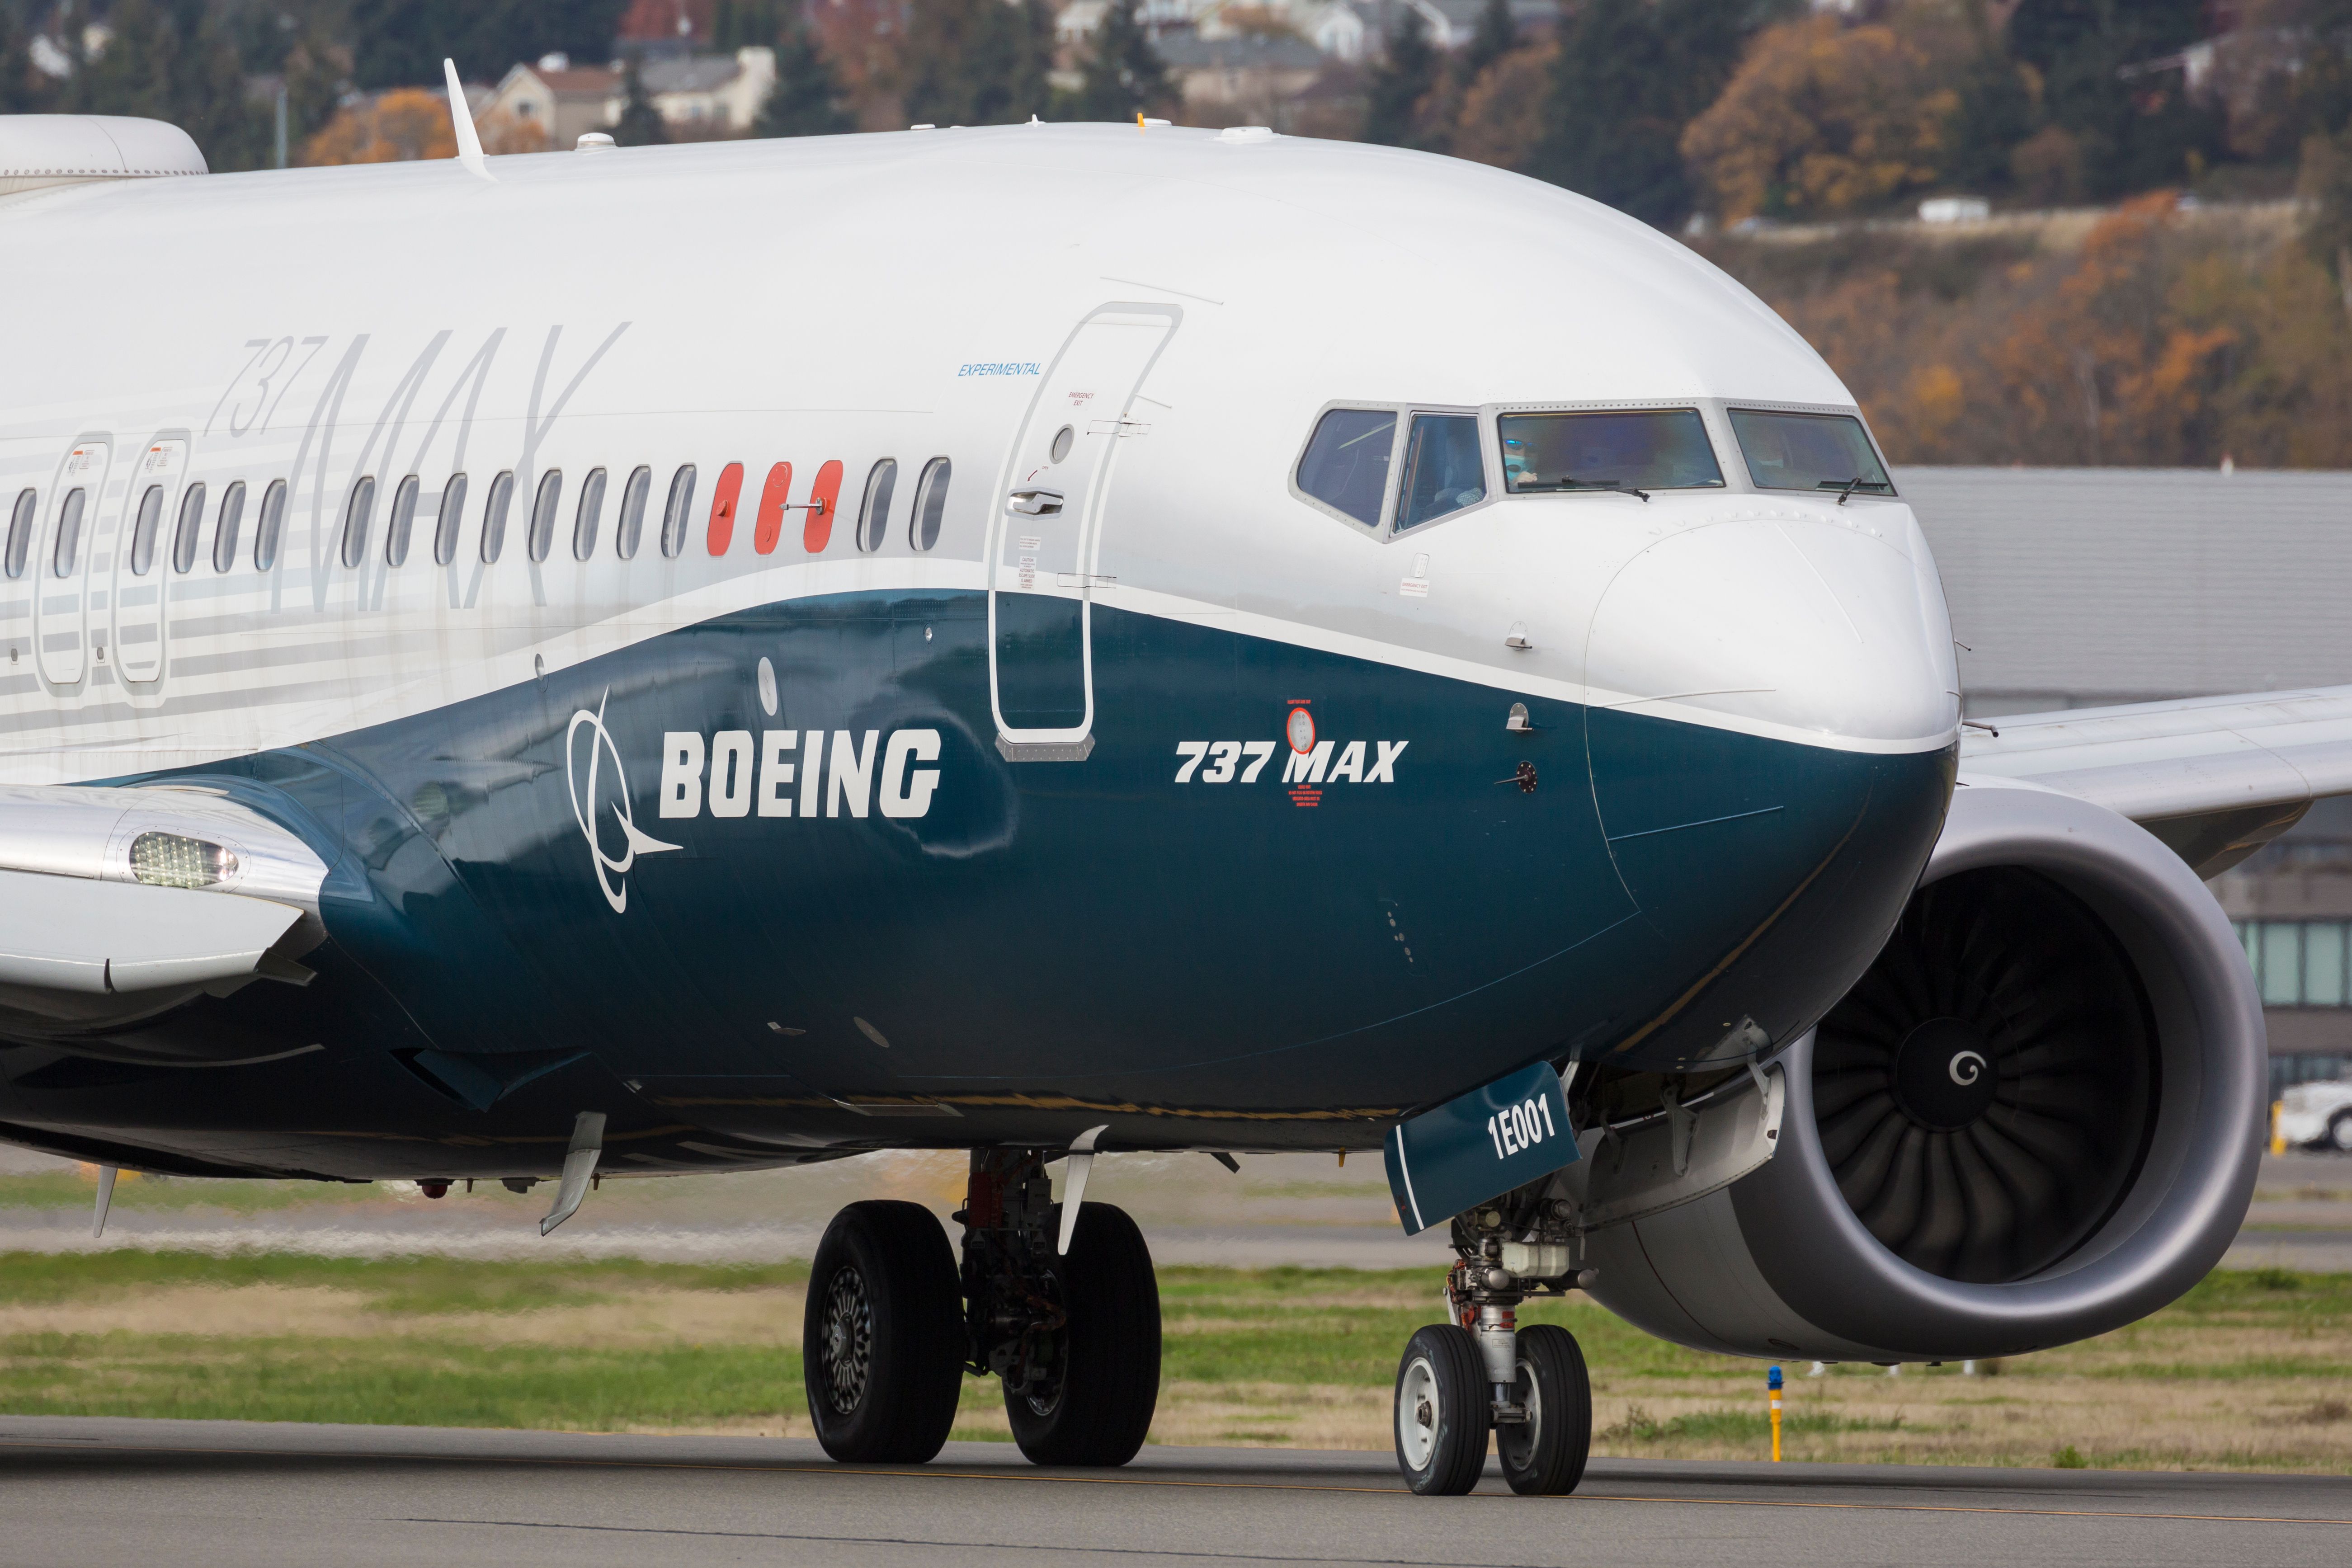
<point>1249,73</point>
<point>695,94</point>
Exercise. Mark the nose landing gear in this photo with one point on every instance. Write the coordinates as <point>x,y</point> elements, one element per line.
<point>1481,1373</point>
<point>892,1324</point>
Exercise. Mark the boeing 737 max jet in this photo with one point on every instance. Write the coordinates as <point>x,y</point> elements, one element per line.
<point>1051,639</point>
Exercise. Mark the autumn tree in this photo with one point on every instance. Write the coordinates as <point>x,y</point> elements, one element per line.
<point>405,124</point>
<point>1822,120</point>
<point>1502,113</point>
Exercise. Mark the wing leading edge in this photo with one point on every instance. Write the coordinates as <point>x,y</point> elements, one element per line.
<point>2215,778</point>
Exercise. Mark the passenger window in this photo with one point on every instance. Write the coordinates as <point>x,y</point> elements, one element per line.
<point>1653,449</point>
<point>930,502</point>
<point>494,515</point>
<point>149,522</point>
<point>402,521</point>
<point>591,513</point>
<point>67,552</point>
<point>1346,462</point>
<point>20,533</point>
<point>633,513</point>
<point>358,512</point>
<point>542,513</point>
<point>875,517</point>
<point>677,509</point>
<point>1443,469</point>
<point>272,523</point>
<point>1809,452</point>
<point>452,517</point>
<point>232,513</point>
<point>185,531</point>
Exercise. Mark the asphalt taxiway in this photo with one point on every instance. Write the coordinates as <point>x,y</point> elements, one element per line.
<point>94,1491</point>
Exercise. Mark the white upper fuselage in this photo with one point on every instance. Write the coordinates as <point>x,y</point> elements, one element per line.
<point>890,296</point>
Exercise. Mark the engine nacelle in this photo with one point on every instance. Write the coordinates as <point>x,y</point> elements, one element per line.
<point>2037,1117</point>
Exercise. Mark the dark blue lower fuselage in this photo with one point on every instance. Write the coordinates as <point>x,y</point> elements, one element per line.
<point>1049,946</point>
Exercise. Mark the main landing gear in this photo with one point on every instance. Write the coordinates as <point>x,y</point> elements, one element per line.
<point>892,1325</point>
<point>1482,1373</point>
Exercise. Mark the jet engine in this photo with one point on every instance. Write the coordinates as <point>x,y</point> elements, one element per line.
<point>2036,1118</point>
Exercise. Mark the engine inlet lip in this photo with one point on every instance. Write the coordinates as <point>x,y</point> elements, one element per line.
<point>2194,1183</point>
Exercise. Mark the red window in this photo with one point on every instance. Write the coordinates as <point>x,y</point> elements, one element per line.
<point>722,508</point>
<point>817,532</point>
<point>769,523</point>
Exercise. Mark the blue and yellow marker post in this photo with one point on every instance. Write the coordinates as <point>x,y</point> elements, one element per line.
<point>1772,1382</point>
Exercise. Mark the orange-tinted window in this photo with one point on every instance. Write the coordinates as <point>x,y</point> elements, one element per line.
<point>769,523</point>
<point>722,508</point>
<point>818,530</point>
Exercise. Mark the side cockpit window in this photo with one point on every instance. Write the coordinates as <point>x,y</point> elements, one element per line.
<point>1809,452</point>
<point>1346,466</point>
<point>1444,471</point>
<point>1636,451</point>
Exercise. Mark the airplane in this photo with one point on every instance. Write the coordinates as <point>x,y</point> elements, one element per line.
<point>1239,644</point>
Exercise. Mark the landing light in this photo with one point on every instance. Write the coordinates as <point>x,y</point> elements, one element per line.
<point>168,860</point>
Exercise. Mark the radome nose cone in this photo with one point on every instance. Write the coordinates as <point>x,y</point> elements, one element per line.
<point>1798,627</point>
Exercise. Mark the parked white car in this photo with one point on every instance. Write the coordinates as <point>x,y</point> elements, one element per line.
<point>2317,1116</point>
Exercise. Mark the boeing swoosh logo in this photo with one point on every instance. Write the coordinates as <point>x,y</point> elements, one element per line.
<point>611,872</point>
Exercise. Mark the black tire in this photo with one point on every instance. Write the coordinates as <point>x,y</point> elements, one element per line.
<point>1443,1409</point>
<point>1100,1407</point>
<point>1544,1456</point>
<point>882,1340</point>
<point>2339,1133</point>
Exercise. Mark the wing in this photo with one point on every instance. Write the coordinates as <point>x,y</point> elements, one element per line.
<point>117,901</point>
<point>2215,778</point>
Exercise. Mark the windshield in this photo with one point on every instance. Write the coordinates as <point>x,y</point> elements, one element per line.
<point>1809,452</point>
<point>1665,449</point>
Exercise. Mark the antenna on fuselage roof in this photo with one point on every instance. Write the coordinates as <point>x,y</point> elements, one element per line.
<point>461,120</point>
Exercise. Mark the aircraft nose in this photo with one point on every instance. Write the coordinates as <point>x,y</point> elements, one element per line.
<point>1808,625</point>
<point>1770,744</point>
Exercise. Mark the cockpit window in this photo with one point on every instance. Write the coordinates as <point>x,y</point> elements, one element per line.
<point>1809,452</point>
<point>1346,462</point>
<point>1442,470</point>
<point>1654,450</point>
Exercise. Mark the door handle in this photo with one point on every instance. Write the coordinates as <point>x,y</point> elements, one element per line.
<point>1034,502</point>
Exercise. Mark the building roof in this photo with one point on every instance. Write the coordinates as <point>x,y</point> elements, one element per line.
<point>2071,587</point>
<point>691,73</point>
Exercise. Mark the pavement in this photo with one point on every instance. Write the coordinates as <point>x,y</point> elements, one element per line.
<point>95,1492</point>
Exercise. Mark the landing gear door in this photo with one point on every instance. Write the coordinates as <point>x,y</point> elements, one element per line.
<point>1043,538</point>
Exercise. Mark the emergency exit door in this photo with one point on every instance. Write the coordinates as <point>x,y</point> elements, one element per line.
<point>1046,532</point>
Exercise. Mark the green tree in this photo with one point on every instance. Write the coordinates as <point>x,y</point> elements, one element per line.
<point>976,62</point>
<point>2137,126</point>
<point>1408,70</point>
<point>400,43</point>
<point>807,100</point>
<point>1124,75</point>
<point>23,89</point>
<point>641,123</point>
<point>1629,76</point>
<point>1498,35</point>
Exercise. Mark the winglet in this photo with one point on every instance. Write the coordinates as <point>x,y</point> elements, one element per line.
<point>461,120</point>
